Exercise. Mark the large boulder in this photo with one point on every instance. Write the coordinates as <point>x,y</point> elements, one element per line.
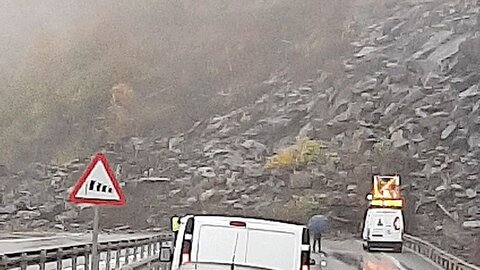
<point>8,209</point>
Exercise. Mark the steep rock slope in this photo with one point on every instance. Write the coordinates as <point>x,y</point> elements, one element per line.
<point>408,103</point>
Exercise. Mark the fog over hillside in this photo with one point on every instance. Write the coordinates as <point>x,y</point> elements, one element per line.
<point>78,73</point>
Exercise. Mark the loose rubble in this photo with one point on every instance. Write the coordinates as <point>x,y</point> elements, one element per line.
<point>413,80</point>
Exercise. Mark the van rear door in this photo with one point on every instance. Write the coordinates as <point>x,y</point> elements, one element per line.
<point>254,243</point>
<point>386,226</point>
<point>274,249</point>
<point>219,243</point>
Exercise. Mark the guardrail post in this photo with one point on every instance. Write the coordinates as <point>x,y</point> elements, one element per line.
<point>87,257</point>
<point>74,258</point>
<point>43,259</point>
<point>23,262</point>
<point>109,256</point>
<point>117,258</point>
<point>127,253</point>
<point>149,249</point>
<point>135,250</point>
<point>142,252</point>
<point>4,262</point>
<point>59,259</point>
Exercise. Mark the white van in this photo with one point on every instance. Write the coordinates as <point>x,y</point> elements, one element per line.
<point>383,229</point>
<point>244,242</point>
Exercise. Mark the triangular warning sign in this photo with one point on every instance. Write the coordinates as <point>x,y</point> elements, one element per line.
<point>98,185</point>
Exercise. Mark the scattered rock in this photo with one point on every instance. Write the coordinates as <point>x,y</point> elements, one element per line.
<point>365,51</point>
<point>473,211</point>
<point>471,193</point>
<point>470,92</point>
<point>39,223</point>
<point>456,187</point>
<point>474,140</point>
<point>447,131</point>
<point>59,227</point>
<point>28,215</point>
<point>192,200</point>
<point>207,195</point>
<point>8,209</point>
<point>472,224</point>
<point>351,187</point>
<point>300,180</point>
<point>398,139</point>
<point>207,172</point>
<point>251,169</point>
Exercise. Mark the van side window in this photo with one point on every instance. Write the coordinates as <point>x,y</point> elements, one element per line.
<point>305,236</point>
<point>190,225</point>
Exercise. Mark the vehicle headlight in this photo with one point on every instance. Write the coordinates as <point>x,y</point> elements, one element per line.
<point>323,263</point>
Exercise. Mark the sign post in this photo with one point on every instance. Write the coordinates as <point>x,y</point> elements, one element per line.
<point>95,255</point>
<point>97,187</point>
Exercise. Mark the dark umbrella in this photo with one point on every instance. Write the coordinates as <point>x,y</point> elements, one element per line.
<point>318,224</point>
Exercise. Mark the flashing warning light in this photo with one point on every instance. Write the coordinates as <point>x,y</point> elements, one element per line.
<point>386,188</point>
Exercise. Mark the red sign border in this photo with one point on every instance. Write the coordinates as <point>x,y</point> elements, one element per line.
<point>100,157</point>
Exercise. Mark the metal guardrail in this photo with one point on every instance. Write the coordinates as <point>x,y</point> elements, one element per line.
<point>439,257</point>
<point>113,255</point>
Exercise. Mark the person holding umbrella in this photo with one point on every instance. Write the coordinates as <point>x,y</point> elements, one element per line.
<point>317,225</point>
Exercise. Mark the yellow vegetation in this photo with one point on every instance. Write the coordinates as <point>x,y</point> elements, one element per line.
<point>304,152</point>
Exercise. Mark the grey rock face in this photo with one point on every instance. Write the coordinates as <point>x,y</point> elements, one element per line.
<point>300,180</point>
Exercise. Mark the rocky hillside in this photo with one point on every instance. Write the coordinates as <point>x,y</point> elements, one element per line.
<point>408,103</point>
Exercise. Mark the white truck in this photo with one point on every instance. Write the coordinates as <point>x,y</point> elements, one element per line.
<point>383,225</point>
<point>221,242</point>
<point>383,229</point>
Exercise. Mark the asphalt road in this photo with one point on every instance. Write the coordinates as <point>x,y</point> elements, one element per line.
<point>349,255</point>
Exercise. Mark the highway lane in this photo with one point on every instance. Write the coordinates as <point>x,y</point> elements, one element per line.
<point>332,263</point>
<point>343,254</point>
<point>352,254</point>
